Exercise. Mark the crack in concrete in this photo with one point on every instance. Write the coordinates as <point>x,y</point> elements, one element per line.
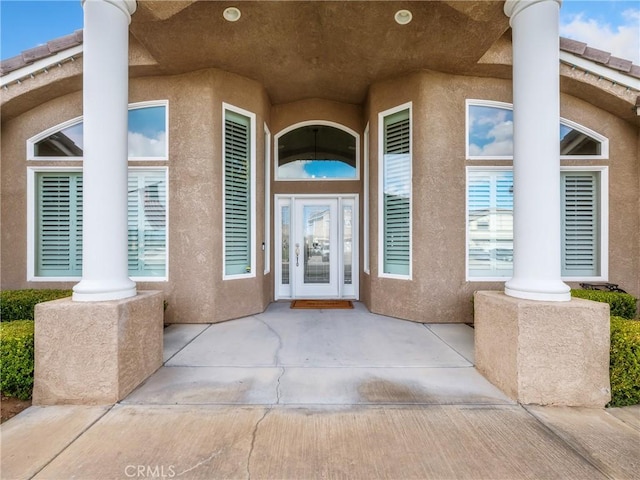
<point>206,460</point>
<point>253,441</point>
<point>276,356</point>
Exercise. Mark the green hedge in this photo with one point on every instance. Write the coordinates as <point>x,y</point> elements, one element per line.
<point>622,304</point>
<point>625,362</point>
<point>19,304</point>
<point>16,358</point>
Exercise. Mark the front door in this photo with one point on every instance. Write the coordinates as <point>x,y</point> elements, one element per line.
<point>314,247</point>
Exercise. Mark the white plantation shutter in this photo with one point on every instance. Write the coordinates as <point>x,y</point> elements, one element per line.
<point>490,223</point>
<point>397,194</point>
<point>59,224</point>
<point>237,194</point>
<point>147,233</point>
<point>580,224</point>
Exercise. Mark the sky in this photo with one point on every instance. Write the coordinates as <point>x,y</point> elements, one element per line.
<point>610,25</point>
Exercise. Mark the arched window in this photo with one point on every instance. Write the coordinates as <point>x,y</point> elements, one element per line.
<point>147,137</point>
<point>490,135</point>
<point>317,151</point>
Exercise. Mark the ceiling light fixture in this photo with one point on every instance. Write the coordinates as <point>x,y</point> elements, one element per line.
<point>402,17</point>
<point>232,14</point>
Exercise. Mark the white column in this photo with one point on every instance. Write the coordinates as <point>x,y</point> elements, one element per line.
<point>105,103</point>
<point>536,157</point>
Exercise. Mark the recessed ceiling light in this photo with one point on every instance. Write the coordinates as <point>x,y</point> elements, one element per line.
<point>232,14</point>
<point>403,17</point>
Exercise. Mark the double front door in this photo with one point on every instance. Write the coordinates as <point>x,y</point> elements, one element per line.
<point>316,247</point>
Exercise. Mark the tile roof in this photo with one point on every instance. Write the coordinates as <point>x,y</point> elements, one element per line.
<point>581,49</point>
<point>56,45</point>
<point>42,51</point>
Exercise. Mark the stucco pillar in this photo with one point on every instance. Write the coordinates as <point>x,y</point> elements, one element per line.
<point>536,157</point>
<point>105,103</point>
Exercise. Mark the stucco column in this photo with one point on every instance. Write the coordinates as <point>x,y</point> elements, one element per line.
<point>105,103</point>
<point>536,156</point>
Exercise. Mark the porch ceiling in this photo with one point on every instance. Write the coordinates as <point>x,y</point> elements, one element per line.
<point>306,49</point>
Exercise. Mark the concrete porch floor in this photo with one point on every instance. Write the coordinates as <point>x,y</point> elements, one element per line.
<point>300,394</point>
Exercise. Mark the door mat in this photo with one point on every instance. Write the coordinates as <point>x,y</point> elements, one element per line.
<point>321,304</point>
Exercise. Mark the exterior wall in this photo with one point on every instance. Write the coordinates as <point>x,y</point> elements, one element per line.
<point>195,291</point>
<point>438,290</point>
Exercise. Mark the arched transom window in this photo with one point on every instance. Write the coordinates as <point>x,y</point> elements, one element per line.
<point>317,151</point>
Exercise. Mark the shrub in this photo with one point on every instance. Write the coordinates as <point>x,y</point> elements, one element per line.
<point>624,364</point>
<point>19,304</point>
<point>622,304</point>
<point>16,358</point>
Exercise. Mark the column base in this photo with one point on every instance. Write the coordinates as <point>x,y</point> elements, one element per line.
<point>96,353</point>
<point>544,353</point>
<point>546,291</point>
<point>90,291</point>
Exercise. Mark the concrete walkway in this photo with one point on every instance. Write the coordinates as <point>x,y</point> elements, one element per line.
<point>297,394</point>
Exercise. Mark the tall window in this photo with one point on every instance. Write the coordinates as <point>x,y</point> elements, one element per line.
<point>57,239</point>
<point>239,189</point>
<point>395,190</point>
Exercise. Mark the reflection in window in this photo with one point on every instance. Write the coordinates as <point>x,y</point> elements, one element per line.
<point>147,136</point>
<point>490,134</point>
<point>64,143</point>
<point>317,152</point>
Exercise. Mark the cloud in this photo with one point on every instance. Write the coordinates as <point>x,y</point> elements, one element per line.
<point>621,40</point>
<point>295,169</point>
<point>142,146</point>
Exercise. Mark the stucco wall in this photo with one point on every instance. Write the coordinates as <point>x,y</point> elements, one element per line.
<point>195,291</point>
<point>438,291</point>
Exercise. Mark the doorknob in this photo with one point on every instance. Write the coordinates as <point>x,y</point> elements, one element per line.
<point>297,254</point>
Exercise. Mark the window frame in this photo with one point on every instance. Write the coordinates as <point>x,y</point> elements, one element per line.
<point>381,231</point>
<point>252,189</point>
<point>603,220</point>
<point>267,200</point>
<point>31,142</point>
<point>32,172</point>
<point>365,202</point>
<point>308,123</point>
<point>604,141</point>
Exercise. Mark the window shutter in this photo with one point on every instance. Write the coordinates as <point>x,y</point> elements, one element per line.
<point>59,224</point>
<point>147,200</point>
<point>580,232</point>
<point>237,191</point>
<point>397,193</point>
<point>490,223</point>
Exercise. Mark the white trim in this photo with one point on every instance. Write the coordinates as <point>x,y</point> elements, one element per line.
<point>469,102</point>
<point>31,142</point>
<point>31,228</point>
<point>289,200</point>
<point>308,123</point>
<point>365,207</point>
<point>40,65</point>
<point>252,170</point>
<point>604,221</point>
<point>381,116</point>
<point>267,200</point>
<point>599,70</point>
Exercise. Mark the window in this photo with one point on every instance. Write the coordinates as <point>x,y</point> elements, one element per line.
<point>490,223</point>
<point>490,135</point>
<point>317,151</point>
<point>147,136</point>
<point>267,200</point>
<point>56,234</point>
<point>239,189</point>
<point>395,192</point>
<point>365,207</point>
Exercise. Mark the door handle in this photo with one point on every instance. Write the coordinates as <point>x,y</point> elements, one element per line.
<point>297,254</point>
